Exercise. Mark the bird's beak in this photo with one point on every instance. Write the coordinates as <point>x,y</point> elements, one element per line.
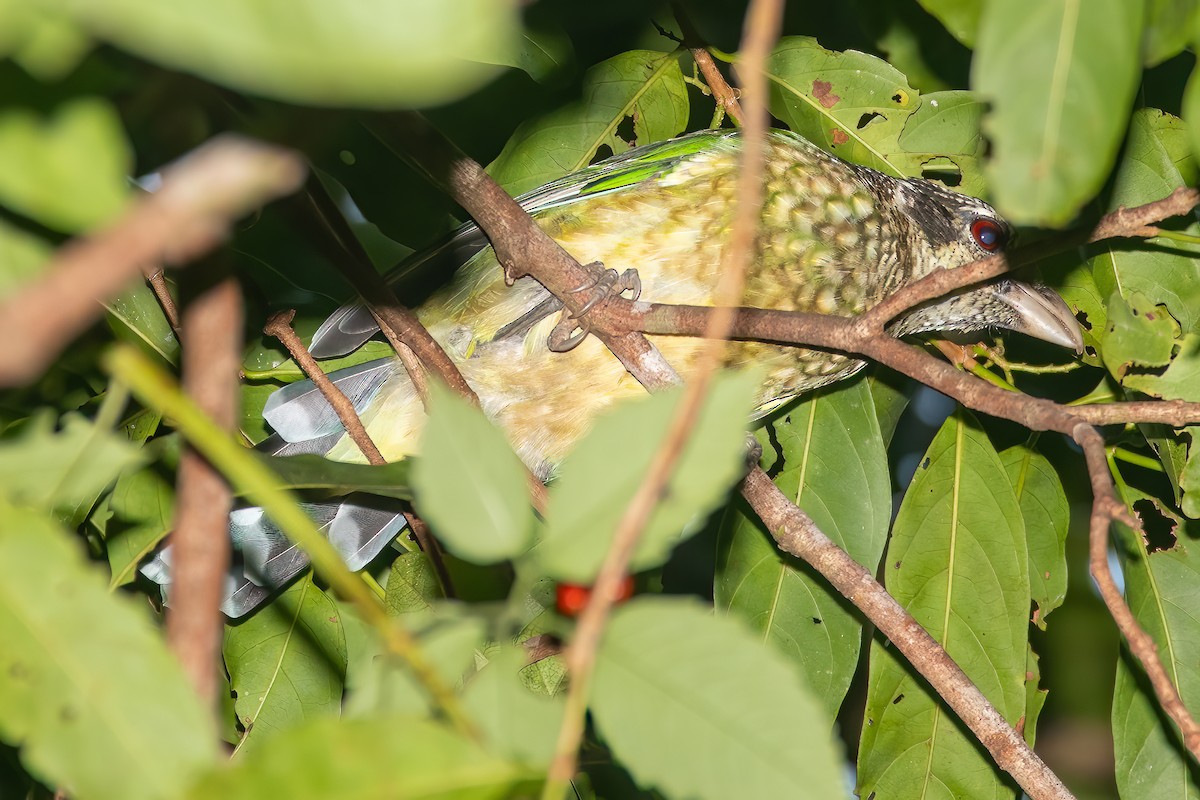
<point>1042,314</point>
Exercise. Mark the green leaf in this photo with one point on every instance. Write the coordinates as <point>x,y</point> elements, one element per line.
<point>136,316</point>
<point>412,585</point>
<point>68,172</point>
<point>394,757</point>
<point>65,468</point>
<point>97,704</point>
<point>944,133</point>
<point>641,86</point>
<point>1138,334</point>
<point>314,472</point>
<point>1047,518</point>
<point>39,38</point>
<point>470,485</point>
<point>286,663</point>
<point>515,722</point>
<point>696,706</point>
<point>1160,587</point>
<point>144,507</point>
<point>383,55</point>
<point>1180,381</point>
<point>289,371</point>
<point>1157,160</point>
<point>22,256</point>
<point>605,470</point>
<point>1059,74</point>
<point>890,399</point>
<point>1170,24</point>
<point>957,562</point>
<point>834,466</point>
<point>853,104</point>
<point>961,17</point>
<point>449,638</point>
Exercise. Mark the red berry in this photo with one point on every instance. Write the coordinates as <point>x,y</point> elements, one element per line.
<point>570,598</point>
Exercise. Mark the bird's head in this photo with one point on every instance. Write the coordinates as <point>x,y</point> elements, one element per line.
<point>947,229</point>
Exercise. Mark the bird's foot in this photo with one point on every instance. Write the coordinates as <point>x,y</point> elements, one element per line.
<point>574,328</point>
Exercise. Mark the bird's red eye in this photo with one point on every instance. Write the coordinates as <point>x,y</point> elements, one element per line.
<point>987,234</point>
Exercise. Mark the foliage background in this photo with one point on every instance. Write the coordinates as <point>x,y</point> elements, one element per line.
<point>1053,109</point>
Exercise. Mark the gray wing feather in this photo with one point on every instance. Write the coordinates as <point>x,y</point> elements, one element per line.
<point>298,412</point>
<point>265,560</point>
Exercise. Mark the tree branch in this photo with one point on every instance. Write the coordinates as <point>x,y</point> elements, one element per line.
<point>212,339</point>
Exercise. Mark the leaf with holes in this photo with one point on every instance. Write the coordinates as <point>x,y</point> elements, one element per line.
<point>1160,587</point>
<point>957,562</point>
<point>641,87</point>
<point>833,464</point>
<point>944,133</point>
<point>1138,334</point>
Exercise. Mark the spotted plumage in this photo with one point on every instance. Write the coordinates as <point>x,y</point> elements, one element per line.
<point>833,238</point>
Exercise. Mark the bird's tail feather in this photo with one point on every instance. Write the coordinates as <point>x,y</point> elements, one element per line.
<point>358,526</point>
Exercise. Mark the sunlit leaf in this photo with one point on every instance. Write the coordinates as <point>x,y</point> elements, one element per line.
<point>98,705</point>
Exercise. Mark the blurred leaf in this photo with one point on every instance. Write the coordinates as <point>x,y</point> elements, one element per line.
<point>606,468</point>
<point>22,256</point>
<point>136,316</point>
<point>957,562</point>
<point>98,705</point>
<point>412,584</point>
<point>1056,73</point>
<point>1170,24</point>
<point>41,40</point>
<point>314,472</point>
<point>694,705</point>
<point>286,663</point>
<point>470,485</point>
<point>1138,334</point>
<point>64,468</point>
<point>1160,587</point>
<point>543,54</point>
<point>961,17</point>
<point>381,55</point>
<point>144,506</point>
<point>1047,518</point>
<point>515,722</point>
<point>834,466</point>
<point>395,757</point>
<point>1157,160</point>
<point>68,172</point>
<point>448,638</point>
<point>644,87</point>
<point>1189,477</point>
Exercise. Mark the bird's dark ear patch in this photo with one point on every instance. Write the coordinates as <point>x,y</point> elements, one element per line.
<point>927,205</point>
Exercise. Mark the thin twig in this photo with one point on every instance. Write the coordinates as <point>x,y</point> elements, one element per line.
<point>413,344</point>
<point>212,325</point>
<point>158,283</point>
<point>762,29</point>
<point>201,194</point>
<point>1122,223</point>
<point>1106,507</point>
<point>280,326</point>
<point>723,93</point>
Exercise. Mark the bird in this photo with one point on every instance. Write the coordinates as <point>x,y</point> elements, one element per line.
<point>832,238</point>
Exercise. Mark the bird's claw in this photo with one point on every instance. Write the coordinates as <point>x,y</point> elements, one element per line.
<point>608,284</point>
